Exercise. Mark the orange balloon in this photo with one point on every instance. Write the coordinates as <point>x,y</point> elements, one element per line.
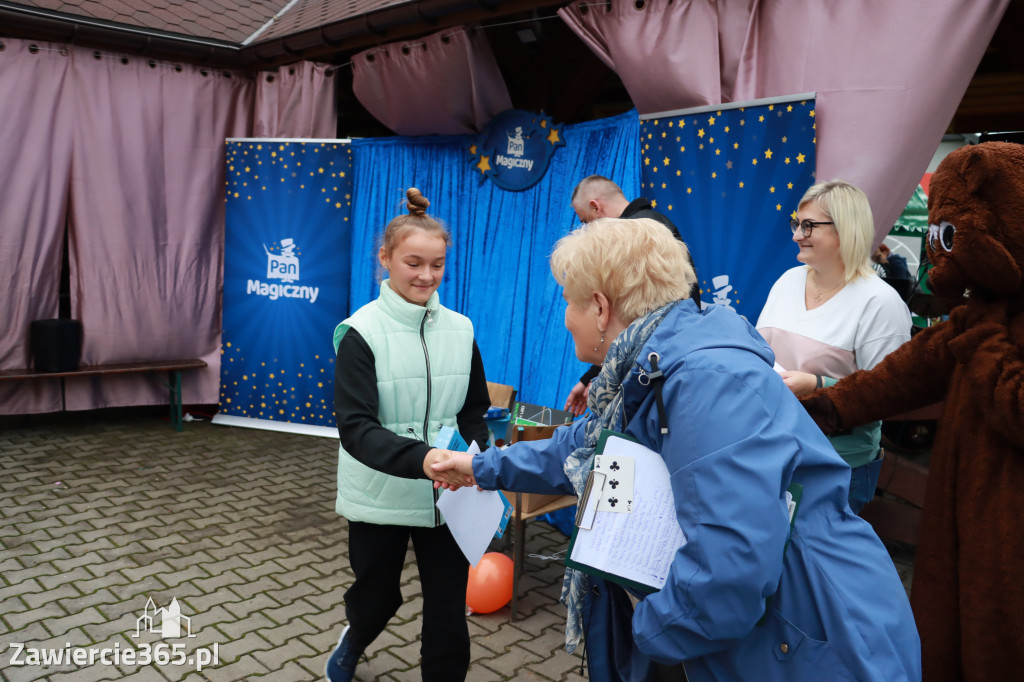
<point>490,583</point>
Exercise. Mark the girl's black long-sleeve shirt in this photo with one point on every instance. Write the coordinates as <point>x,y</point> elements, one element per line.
<point>356,405</point>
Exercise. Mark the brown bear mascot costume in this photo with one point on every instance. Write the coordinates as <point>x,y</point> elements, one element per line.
<point>968,590</point>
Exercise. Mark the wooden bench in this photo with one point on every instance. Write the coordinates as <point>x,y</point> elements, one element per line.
<point>172,367</point>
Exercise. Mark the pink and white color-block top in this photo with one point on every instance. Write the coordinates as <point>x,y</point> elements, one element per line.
<point>865,321</point>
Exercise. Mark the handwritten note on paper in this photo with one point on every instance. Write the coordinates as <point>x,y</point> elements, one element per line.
<point>639,546</point>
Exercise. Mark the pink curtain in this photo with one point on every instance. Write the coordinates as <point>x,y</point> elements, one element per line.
<point>889,74</point>
<point>445,84</point>
<point>35,136</point>
<point>296,101</point>
<point>147,219</point>
<point>129,152</point>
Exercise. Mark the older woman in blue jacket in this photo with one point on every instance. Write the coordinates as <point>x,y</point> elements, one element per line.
<point>749,596</point>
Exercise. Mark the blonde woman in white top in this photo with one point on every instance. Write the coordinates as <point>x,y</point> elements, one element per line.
<point>833,315</point>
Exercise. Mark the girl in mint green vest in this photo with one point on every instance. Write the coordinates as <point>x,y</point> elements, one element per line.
<point>406,367</point>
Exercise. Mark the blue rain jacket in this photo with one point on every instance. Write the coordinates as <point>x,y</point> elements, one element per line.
<point>737,439</point>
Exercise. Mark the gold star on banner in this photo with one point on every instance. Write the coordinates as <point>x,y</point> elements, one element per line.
<point>682,124</point>
<point>320,170</point>
<point>670,123</point>
<point>678,173</point>
<point>689,190</point>
<point>649,135</point>
<point>726,128</point>
<point>717,152</point>
<point>789,108</point>
<point>735,145</point>
<point>553,136</point>
<point>789,185</point>
<point>760,119</point>
<point>647,161</point>
<point>755,162</point>
<point>783,139</point>
<point>714,175</point>
<point>663,185</point>
<point>666,160</point>
<point>787,160</point>
<point>700,146</point>
<point>711,120</point>
<point>700,133</point>
<point>670,207</point>
<point>728,165</point>
<point>771,107</point>
<point>664,134</point>
<point>682,149</point>
<point>771,190</point>
<point>543,123</point>
<point>768,154</point>
<point>654,204</point>
<point>472,150</point>
<point>741,184</point>
<point>711,140</point>
<point>484,164</point>
<point>812,113</point>
<point>778,207</point>
<point>743,122</point>
<point>800,158</point>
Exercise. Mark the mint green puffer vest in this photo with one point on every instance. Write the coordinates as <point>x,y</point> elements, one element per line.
<point>423,356</point>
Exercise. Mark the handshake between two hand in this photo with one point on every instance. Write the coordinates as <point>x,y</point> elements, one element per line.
<point>449,469</point>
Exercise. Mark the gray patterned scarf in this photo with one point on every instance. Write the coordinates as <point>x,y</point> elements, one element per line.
<point>605,401</point>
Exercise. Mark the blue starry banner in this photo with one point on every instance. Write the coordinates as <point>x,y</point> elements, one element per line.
<point>287,248</point>
<point>730,178</point>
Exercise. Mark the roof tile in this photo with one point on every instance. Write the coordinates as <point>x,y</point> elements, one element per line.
<point>228,20</point>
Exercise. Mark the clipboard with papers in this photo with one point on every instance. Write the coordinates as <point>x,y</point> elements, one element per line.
<point>635,549</point>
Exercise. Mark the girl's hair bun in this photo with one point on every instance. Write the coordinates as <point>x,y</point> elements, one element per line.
<point>417,203</point>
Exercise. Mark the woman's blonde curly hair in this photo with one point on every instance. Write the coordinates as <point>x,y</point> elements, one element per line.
<point>637,263</point>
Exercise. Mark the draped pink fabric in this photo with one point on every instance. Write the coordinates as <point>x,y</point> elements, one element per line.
<point>667,55</point>
<point>147,220</point>
<point>296,101</point>
<point>35,135</point>
<point>888,74</point>
<point>445,84</point>
<point>141,144</point>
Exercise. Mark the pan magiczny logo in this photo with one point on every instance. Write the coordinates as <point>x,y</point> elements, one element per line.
<point>283,265</point>
<point>167,622</point>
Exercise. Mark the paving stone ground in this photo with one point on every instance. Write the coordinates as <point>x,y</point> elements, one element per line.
<point>102,511</point>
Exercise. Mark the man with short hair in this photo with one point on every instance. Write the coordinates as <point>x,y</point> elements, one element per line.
<point>598,197</point>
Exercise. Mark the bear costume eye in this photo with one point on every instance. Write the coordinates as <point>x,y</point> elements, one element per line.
<point>943,234</point>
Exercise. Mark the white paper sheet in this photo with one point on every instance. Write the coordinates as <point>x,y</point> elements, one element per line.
<point>638,546</point>
<point>472,516</point>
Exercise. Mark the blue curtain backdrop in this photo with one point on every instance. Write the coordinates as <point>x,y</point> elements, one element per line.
<point>731,178</point>
<point>497,272</point>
